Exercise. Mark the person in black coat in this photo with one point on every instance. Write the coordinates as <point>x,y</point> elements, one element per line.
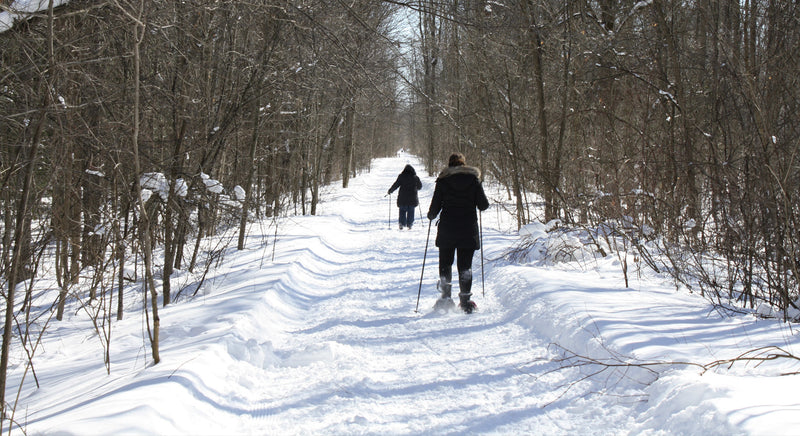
<point>407,198</point>
<point>457,194</point>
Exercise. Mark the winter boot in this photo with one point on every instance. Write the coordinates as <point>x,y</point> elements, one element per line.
<point>444,286</point>
<point>465,282</point>
<point>445,302</point>
<point>465,287</point>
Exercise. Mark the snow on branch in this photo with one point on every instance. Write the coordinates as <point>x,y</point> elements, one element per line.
<point>157,182</point>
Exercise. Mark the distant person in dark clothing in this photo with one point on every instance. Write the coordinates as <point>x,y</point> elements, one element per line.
<point>457,194</point>
<point>407,198</point>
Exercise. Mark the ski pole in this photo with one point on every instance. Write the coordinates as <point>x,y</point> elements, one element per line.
<point>390,211</point>
<point>483,281</point>
<point>424,256</point>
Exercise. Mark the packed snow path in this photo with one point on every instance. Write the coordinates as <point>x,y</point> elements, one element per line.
<point>312,330</point>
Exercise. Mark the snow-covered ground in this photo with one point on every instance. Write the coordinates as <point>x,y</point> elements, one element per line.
<point>323,338</point>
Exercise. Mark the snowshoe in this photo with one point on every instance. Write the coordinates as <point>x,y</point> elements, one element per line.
<point>465,304</point>
<point>468,306</point>
<point>444,305</point>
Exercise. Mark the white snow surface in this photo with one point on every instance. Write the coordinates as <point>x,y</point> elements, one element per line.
<point>325,339</point>
<point>22,9</point>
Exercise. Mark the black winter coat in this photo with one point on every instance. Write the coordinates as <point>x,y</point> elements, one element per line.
<point>409,184</point>
<point>458,192</point>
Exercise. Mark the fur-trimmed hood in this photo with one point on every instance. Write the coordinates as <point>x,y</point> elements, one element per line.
<point>461,169</point>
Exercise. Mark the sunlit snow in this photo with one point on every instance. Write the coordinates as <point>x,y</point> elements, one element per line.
<point>312,330</point>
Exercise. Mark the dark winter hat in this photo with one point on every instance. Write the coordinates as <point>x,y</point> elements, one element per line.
<point>456,159</point>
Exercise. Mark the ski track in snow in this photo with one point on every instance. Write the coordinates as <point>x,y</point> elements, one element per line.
<point>324,339</point>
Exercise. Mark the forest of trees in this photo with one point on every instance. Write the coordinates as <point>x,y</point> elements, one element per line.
<point>672,124</point>
<point>667,122</point>
<point>104,102</point>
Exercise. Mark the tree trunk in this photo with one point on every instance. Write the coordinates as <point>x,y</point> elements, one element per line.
<point>139,30</point>
<point>430,55</point>
<point>248,186</point>
<point>549,184</point>
<point>348,142</point>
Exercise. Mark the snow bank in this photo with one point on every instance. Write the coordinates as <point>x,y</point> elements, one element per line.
<point>592,320</point>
